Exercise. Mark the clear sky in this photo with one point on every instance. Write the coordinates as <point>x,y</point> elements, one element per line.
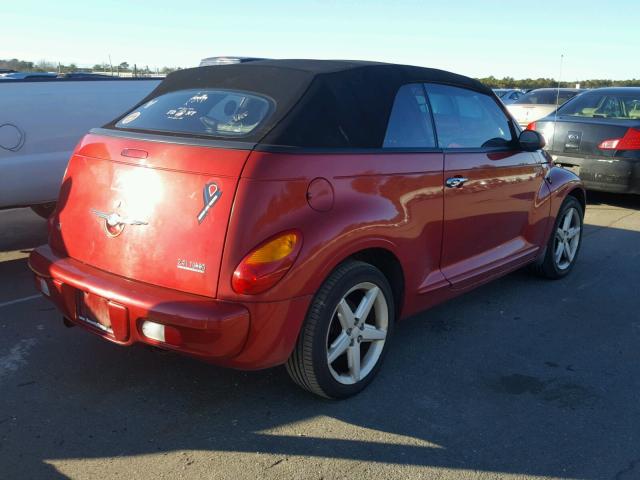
<point>599,39</point>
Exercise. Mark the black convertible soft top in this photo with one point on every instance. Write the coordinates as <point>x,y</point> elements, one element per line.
<point>319,103</point>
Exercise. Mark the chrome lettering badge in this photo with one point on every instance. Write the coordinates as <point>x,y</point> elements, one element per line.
<point>192,266</point>
<point>211,195</point>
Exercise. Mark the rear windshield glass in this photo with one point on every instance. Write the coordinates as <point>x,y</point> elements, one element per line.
<point>545,97</point>
<point>220,113</point>
<point>604,105</point>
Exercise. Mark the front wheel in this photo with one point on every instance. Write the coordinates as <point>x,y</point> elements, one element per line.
<point>344,337</point>
<point>562,249</point>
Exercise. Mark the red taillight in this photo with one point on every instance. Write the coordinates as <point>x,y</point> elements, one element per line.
<point>630,141</point>
<point>265,265</point>
<point>531,126</point>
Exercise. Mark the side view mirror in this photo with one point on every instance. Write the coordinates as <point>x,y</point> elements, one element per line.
<point>530,141</point>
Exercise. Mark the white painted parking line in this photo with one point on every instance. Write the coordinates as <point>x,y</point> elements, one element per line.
<point>19,300</point>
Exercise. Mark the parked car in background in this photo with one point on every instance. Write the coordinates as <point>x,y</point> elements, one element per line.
<point>597,135</point>
<point>290,211</point>
<point>86,76</point>
<point>540,103</point>
<point>41,120</point>
<point>26,75</point>
<point>508,95</point>
<point>209,61</point>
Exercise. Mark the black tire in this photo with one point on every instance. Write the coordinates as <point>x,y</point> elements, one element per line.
<point>44,210</point>
<point>308,365</point>
<point>547,266</point>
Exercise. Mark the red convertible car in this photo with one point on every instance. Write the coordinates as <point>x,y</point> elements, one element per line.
<point>291,211</point>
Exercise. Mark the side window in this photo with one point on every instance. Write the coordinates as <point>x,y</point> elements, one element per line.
<point>467,119</point>
<point>410,122</point>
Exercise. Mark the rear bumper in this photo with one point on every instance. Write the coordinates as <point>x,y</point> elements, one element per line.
<point>605,174</point>
<point>212,330</point>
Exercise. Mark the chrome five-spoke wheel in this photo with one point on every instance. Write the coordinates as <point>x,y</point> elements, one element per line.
<point>344,337</point>
<point>357,333</point>
<point>567,238</point>
<point>561,251</point>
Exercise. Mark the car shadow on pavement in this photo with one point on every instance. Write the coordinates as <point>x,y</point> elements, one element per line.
<point>522,376</point>
<point>603,198</point>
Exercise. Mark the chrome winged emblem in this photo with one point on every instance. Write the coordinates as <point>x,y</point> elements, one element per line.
<point>114,219</point>
<point>114,222</point>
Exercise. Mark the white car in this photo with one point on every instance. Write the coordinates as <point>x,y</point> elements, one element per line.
<point>40,123</point>
<point>508,95</point>
<point>539,103</point>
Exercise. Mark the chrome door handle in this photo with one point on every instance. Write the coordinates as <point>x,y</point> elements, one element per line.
<point>455,182</point>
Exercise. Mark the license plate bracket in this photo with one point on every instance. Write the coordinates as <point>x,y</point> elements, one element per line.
<point>94,310</point>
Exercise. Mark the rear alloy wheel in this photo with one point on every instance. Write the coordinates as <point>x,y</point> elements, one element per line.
<point>562,250</point>
<point>355,341</point>
<point>343,340</point>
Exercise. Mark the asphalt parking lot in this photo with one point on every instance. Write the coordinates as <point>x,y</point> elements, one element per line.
<point>521,378</point>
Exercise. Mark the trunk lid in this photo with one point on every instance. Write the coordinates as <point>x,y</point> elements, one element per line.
<point>524,114</point>
<point>574,136</point>
<point>138,209</point>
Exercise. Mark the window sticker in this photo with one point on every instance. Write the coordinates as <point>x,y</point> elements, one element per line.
<point>130,118</point>
<point>180,113</point>
<point>198,98</point>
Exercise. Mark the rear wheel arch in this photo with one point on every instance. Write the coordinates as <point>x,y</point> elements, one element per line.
<point>389,264</point>
<point>379,257</point>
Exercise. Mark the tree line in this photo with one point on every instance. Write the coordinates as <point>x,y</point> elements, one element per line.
<point>530,83</point>
<point>47,66</point>
<point>492,82</point>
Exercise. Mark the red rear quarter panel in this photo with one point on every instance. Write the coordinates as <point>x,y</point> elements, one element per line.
<point>389,201</point>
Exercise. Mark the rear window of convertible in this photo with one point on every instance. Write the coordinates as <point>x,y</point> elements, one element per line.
<point>218,113</point>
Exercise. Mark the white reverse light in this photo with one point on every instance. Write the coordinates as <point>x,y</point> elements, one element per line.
<point>153,330</point>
